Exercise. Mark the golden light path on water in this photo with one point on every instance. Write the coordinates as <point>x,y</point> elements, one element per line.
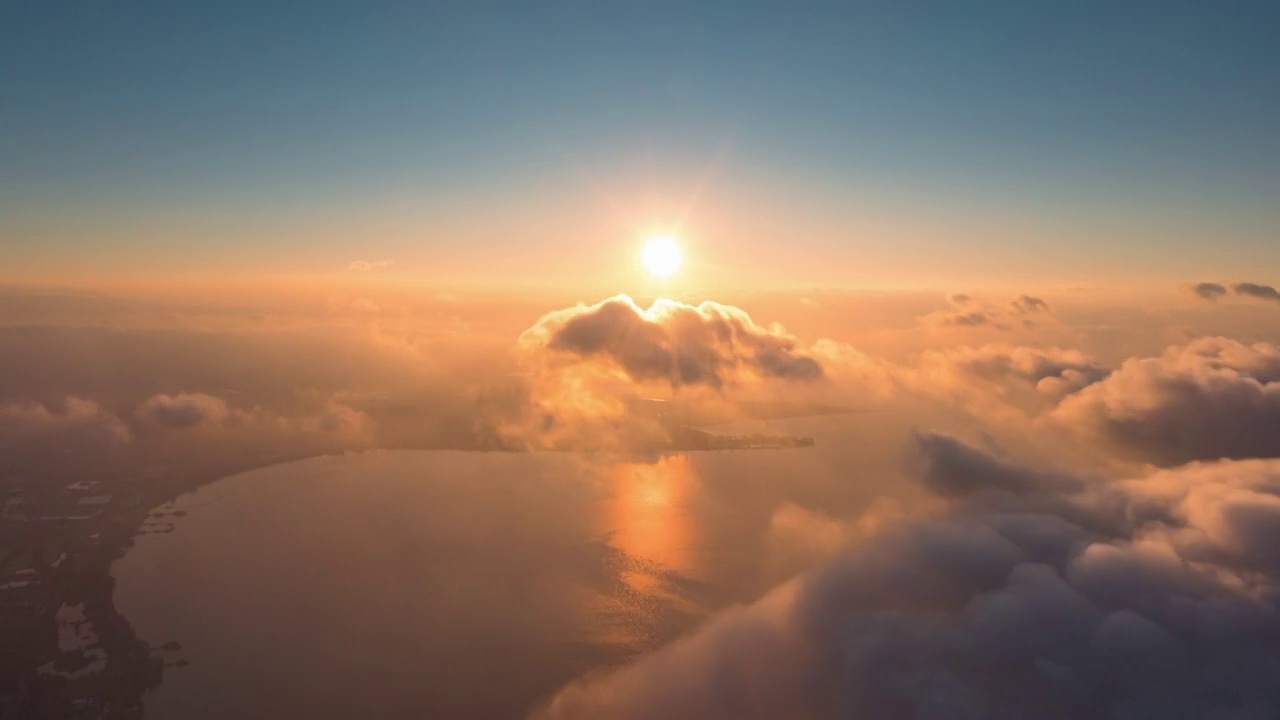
<point>650,517</point>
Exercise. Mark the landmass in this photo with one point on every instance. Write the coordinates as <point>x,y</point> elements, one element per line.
<point>66,518</point>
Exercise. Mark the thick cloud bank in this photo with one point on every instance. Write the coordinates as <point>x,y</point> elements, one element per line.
<point>709,344</point>
<point>1035,595</point>
<point>1212,398</point>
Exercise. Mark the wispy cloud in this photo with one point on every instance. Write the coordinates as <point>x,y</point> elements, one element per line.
<point>1212,291</point>
<point>1209,290</point>
<point>968,312</point>
<point>369,265</point>
<point>1254,290</point>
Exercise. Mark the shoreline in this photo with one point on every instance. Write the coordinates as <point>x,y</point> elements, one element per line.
<point>54,683</point>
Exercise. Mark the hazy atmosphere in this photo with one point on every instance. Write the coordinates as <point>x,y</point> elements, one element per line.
<point>585,362</point>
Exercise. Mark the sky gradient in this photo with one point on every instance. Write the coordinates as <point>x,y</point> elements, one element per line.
<point>850,145</point>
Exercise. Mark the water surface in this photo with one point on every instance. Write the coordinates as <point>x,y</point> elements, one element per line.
<point>450,584</point>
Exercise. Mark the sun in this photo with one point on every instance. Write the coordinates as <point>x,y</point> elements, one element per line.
<point>661,256</point>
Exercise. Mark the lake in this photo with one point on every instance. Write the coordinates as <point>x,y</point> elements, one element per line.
<point>449,584</point>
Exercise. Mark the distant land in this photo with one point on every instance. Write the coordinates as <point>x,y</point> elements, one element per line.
<point>68,516</point>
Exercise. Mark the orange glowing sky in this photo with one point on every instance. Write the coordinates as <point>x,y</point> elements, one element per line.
<point>865,149</point>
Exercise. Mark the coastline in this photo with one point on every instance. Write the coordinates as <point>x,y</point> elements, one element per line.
<point>110,677</point>
<point>109,673</point>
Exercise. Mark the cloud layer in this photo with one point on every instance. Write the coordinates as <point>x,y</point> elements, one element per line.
<point>1212,398</point>
<point>1036,594</point>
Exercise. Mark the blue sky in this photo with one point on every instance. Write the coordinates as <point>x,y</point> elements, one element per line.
<point>286,136</point>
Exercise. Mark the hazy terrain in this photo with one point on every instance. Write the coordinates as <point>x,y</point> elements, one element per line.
<point>1058,485</point>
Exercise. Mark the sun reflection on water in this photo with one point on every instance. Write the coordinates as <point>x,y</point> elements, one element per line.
<point>649,521</point>
<point>649,516</point>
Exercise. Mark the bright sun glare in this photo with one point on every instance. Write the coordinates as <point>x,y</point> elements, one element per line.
<point>661,256</point>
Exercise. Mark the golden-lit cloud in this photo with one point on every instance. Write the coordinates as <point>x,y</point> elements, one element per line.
<point>597,375</point>
<point>671,342</point>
